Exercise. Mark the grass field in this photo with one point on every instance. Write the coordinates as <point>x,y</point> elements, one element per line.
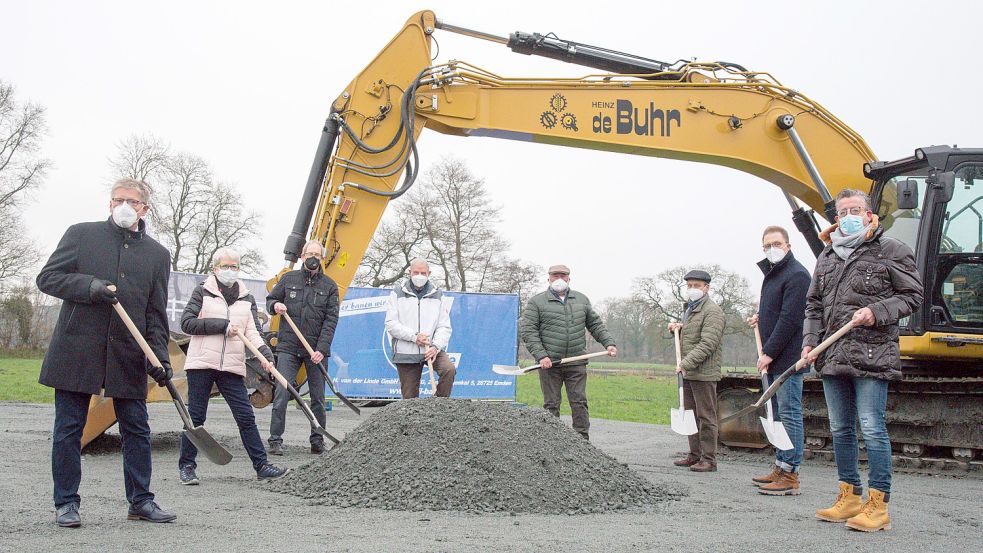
<point>634,398</point>
<point>19,381</point>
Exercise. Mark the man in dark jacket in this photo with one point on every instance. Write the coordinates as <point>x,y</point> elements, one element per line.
<point>554,326</point>
<point>310,297</point>
<point>872,280</point>
<point>779,320</point>
<point>92,350</point>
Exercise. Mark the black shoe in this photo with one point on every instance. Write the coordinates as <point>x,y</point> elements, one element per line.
<point>149,511</point>
<point>188,476</point>
<point>317,448</point>
<point>271,472</point>
<point>276,448</point>
<point>67,516</point>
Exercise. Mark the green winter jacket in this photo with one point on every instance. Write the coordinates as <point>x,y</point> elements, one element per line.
<point>701,342</point>
<point>555,329</point>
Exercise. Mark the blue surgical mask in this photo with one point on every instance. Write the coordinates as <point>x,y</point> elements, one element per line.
<point>851,224</point>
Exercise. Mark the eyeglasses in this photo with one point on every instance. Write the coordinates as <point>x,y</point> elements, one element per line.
<point>135,204</point>
<point>232,267</point>
<point>851,211</point>
<point>306,255</point>
<point>778,245</point>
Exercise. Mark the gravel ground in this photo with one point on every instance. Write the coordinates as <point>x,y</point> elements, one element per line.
<point>231,511</point>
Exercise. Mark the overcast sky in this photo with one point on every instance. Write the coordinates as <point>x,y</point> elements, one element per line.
<point>247,85</point>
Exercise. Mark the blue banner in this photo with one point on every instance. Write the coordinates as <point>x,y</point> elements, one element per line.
<point>485,332</point>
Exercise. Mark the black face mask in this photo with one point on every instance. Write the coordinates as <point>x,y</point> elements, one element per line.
<point>312,264</point>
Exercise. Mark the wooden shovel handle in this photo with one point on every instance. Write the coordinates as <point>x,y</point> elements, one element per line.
<point>679,353</point>
<point>303,341</point>
<point>136,333</point>
<point>566,360</point>
<point>757,340</point>
<point>249,345</point>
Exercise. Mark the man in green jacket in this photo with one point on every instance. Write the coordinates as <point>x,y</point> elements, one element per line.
<point>553,327</point>
<point>701,341</point>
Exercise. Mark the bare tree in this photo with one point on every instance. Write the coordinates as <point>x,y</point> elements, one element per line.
<point>192,214</point>
<point>21,170</point>
<point>141,157</point>
<point>458,220</point>
<point>395,243</point>
<point>633,326</point>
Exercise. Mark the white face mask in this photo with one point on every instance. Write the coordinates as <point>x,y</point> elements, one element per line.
<point>124,215</point>
<point>419,280</point>
<point>694,294</point>
<point>559,286</point>
<point>227,276</point>
<point>775,254</point>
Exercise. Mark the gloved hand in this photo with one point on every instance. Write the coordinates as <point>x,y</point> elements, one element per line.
<point>99,292</point>
<point>160,374</point>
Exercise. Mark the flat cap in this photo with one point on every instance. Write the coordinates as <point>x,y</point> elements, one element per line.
<point>559,269</point>
<point>697,274</point>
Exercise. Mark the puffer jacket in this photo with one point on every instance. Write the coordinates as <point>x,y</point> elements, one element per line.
<point>409,314</point>
<point>701,342</point>
<point>879,274</point>
<point>557,329</point>
<point>207,318</point>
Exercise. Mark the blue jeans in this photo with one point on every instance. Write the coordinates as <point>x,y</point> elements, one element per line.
<point>71,412</point>
<point>789,412</point>
<point>847,399</point>
<point>234,391</point>
<point>289,365</point>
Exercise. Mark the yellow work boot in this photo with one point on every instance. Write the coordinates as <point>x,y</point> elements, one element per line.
<point>787,483</point>
<point>873,515</point>
<point>768,478</point>
<point>847,505</point>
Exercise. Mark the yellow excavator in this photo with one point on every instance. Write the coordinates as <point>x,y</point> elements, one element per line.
<point>711,112</point>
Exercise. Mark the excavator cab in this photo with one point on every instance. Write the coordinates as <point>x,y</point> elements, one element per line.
<point>933,201</point>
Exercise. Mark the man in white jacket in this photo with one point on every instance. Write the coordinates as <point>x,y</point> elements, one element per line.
<point>420,328</point>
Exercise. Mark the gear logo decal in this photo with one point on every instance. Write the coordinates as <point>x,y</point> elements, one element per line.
<point>557,106</point>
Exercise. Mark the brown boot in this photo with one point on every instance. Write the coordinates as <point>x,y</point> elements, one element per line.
<point>768,478</point>
<point>873,515</point>
<point>847,505</point>
<point>787,483</point>
<point>704,466</point>
<point>687,461</point>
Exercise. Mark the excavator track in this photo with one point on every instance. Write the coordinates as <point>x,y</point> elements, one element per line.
<point>935,423</point>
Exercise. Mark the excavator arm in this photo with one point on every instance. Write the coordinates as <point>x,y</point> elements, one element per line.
<point>715,113</point>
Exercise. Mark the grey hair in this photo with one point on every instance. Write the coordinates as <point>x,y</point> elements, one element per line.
<point>225,253</point>
<point>854,193</point>
<point>419,261</point>
<point>324,251</point>
<point>133,184</point>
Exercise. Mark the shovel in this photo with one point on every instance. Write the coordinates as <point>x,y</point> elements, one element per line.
<point>433,379</point>
<point>681,421</point>
<point>324,371</point>
<point>293,391</point>
<point>513,370</point>
<point>799,365</point>
<point>196,434</point>
<point>775,431</point>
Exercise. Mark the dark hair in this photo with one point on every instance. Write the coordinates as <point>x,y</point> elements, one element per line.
<point>775,228</point>
<point>854,193</point>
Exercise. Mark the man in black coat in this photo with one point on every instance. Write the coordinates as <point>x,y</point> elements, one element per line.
<point>92,350</point>
<point>779,320</point>
<point>310,297</point>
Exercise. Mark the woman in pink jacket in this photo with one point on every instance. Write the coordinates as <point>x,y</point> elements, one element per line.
<point>218,310</point>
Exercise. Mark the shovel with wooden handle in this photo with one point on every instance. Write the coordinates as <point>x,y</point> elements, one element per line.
<point>293,391</point>
<point>513,370</point>
<point>682,421</point>
<point>196,434</point>
<point>799,365</point>
<point>324,370</point>
<point>774,430</point>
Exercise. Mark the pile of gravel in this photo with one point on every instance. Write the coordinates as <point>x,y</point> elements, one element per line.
<point>447,454</point>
